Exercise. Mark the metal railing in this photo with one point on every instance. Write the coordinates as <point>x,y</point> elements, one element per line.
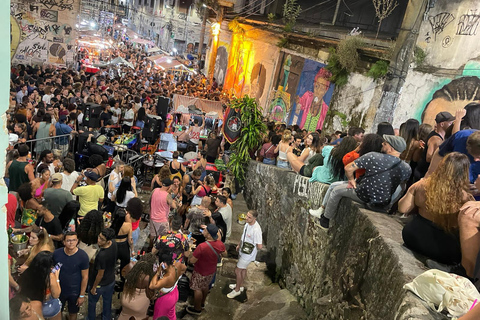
<point>49,144</point>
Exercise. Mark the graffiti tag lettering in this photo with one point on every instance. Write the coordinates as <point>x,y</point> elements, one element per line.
<point>33,50</point>
<point>468,24</point>
<point>49,15</point>
<point>447,42</point>
<point>60,5</point>
<point>439,22</point>
<point>300,186</point>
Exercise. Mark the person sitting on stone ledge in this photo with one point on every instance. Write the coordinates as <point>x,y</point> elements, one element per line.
<point>332,169</point>
<point>384,173</point>
<point>310,157</point>
<point>433,232</point>
<point>371,143</point>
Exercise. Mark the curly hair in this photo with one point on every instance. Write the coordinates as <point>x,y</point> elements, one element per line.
<point>336,156</point>
<point>95,160</point>
<point>140,271</point>
<point>90,227</point>
<point>445,188</point>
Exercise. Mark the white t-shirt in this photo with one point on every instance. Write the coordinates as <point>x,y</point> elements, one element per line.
<point>253,235</point>
<point>46,98</point>
<point>116,112</point>
<point>129,115</point>
<point>114,178</point>
<point>226,213</point>
<point>69,180</point>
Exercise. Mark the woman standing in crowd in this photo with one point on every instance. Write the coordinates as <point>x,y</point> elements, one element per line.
<point>136,294</point>
<point>227,193</point>
<point>438,198</point>
<point>29,205</point>
<point>126,191</point>
<point>164,173</point>
<point>122,225</point>
<point>176,168</point>
<point>40,284</point>
<point>39,241</point>
<point>43,181</point>
<point>171,254</point>
<point>68,216</point>
<point>88,230</point>
<point>201,163</point>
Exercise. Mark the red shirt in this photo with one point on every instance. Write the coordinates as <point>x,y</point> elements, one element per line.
<point>207,259</point>
<point>11,210</point>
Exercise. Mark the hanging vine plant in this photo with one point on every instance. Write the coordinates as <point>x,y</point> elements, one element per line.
<point>251,136</point>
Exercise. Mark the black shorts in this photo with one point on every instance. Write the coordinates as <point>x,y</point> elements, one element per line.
<point>301,170</point>
<point>71,301</point>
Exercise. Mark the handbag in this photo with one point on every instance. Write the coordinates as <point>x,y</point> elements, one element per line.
<point>247,247</point>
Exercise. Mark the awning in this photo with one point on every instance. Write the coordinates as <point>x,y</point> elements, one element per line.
<point>202,104</point>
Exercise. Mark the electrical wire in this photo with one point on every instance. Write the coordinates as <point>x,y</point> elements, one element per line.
<point>249,10</point>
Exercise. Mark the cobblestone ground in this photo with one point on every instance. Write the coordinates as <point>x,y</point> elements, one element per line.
<point>262,299</point>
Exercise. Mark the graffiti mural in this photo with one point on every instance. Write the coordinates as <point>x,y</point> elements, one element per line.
<point>312,97</point>
<point>36,26</point>
<point>258,78</point>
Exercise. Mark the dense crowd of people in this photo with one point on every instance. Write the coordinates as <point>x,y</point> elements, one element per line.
<point>83,224</point>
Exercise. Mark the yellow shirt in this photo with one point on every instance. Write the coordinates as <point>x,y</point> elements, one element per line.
<point>88,198</point>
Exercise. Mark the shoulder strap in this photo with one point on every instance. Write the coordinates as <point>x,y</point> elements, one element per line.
<point>215,251</point>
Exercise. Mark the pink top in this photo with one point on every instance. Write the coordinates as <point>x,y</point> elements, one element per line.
<point>159,207</point>
<point>38,192</point>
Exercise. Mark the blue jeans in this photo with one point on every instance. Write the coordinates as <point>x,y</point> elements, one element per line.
<point>283,164</point>
<point>135,235</point>
<point>106,292</point>
<point>269,161</point>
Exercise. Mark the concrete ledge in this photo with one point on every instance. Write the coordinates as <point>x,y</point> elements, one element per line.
<point>355,270</point>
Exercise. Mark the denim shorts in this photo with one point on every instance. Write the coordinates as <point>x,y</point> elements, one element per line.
<point>51,308</point>
<point>269,161</point>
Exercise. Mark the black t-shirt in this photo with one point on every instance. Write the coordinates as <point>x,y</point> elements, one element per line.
<point>94,148</point>
<point>53,227</point>
<point>213,145</point>
<point>71,271</point>
<point>105,116</point>
<point>105,260</point>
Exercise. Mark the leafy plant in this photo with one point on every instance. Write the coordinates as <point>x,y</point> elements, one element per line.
<point>378,70</point>
<point>282,43</point>
<point>251,136</point>
<point>419,55</point>
<point>271,17</point>
<point>343,117</point>
<point>291,11</point>
<point>348,52</point>
<point>339,73</point>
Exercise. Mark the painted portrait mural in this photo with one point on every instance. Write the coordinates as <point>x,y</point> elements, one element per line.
<point>452,96</point>
<point>313,96</point>
<point>221,64</point>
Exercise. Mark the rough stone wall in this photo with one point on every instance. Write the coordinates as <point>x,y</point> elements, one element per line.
<point>356,270</point>
<point>43,31</point>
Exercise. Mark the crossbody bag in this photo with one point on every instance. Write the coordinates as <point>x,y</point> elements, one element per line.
<point>247,247</point>
<point>219,259</point>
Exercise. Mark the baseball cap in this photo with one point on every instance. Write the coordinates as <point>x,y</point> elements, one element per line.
<point>444,116</point>
<point>167,182</point>
<point>213,230</point>
<point>92,175</point>
<point>102,139</point>
<point>62,117</point>
<point>57,177</point>
<point>397,143</point>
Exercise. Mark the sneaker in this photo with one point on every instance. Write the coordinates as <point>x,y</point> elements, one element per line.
<point>324,223</point>
<point>317,213</point>
<point>234,294</point>
<point>234,285</point>
<point>191,310</point>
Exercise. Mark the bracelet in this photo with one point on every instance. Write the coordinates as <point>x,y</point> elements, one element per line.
<point>58,280</point>
<point>81,296</point>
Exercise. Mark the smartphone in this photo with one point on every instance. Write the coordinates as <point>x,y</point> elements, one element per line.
<point>57,267</point>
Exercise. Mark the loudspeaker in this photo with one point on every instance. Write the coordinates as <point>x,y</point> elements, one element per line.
<point>162,107</point>
<point>151,130</point>
<point>91,118</point>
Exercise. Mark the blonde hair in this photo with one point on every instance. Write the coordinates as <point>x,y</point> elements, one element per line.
<point>43,240</point>
<point>287,136</point>
<point>445,190</point>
